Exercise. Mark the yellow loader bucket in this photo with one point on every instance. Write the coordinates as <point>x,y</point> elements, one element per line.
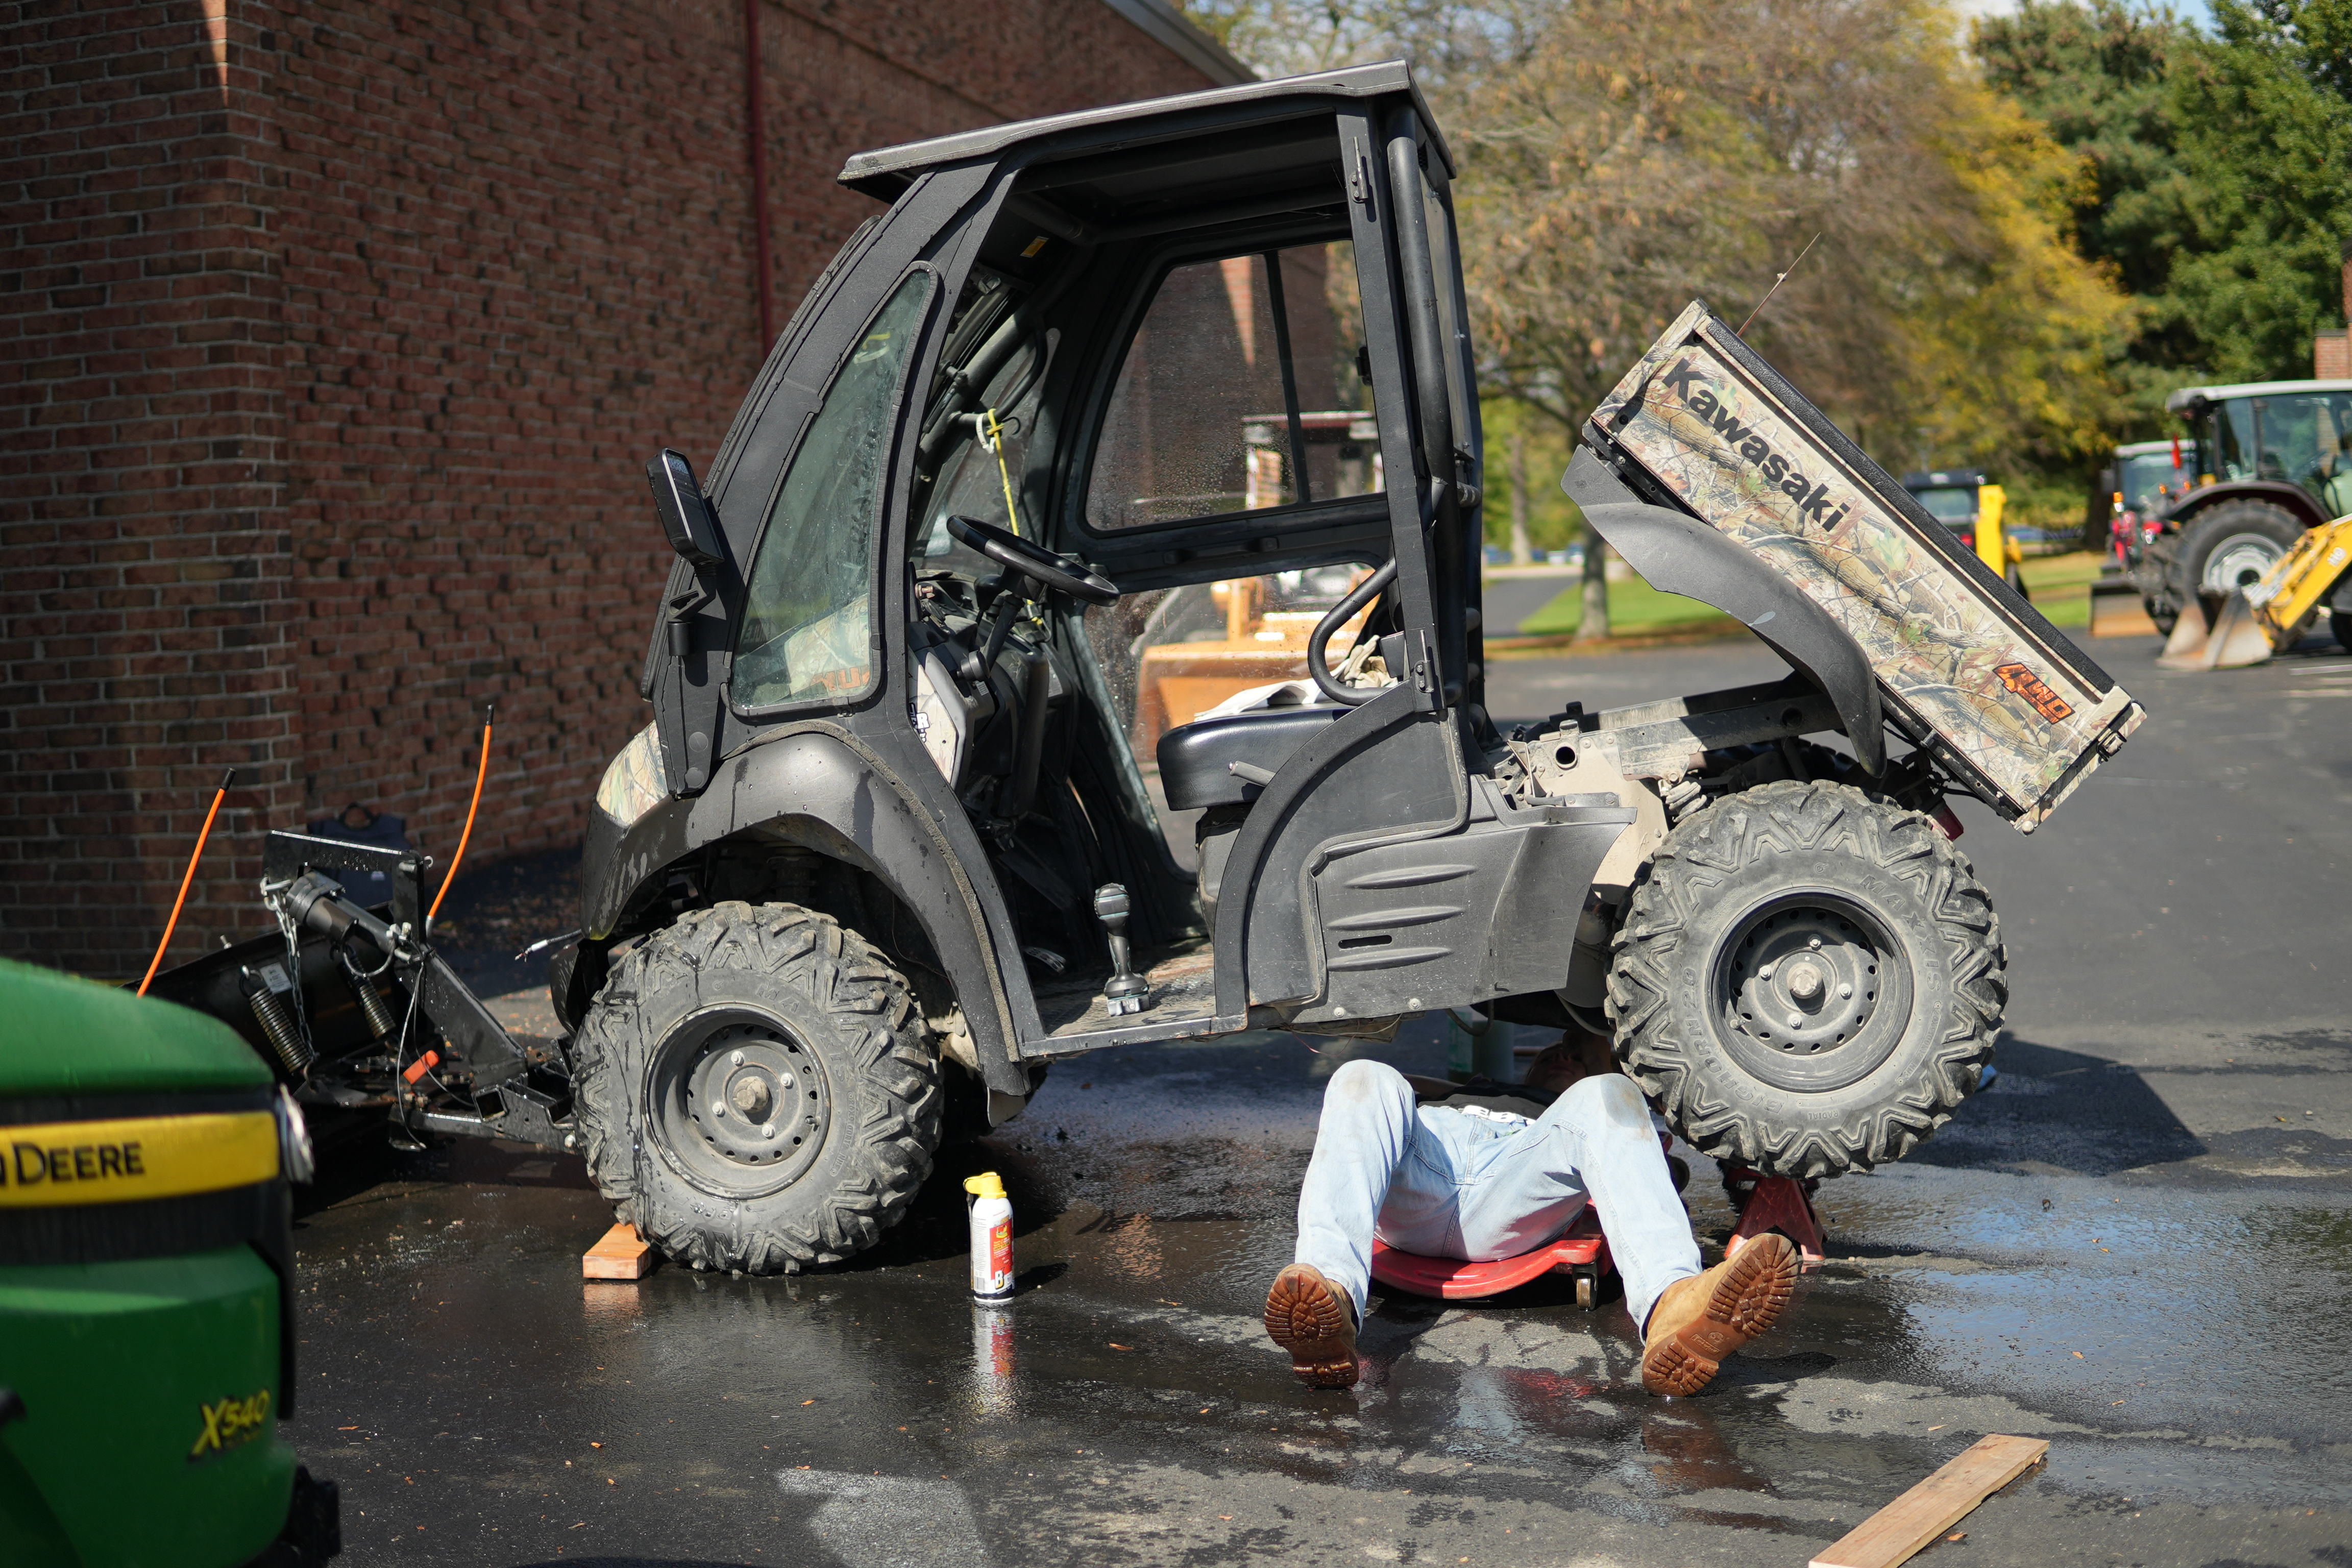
<point>2236,639</point>
<point>2252,623</point>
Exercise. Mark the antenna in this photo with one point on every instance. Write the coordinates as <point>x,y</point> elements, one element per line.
<point>1783,277</point>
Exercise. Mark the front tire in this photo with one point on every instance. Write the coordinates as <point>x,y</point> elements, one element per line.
<point>1806,980</point>
<point>756,1089</point>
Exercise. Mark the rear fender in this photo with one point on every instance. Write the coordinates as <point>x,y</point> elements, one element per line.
<point>818,784</point>
<point>1676,553</point>
<point>2292,498</point>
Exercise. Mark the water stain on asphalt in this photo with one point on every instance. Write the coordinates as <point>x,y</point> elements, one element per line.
<point>1126,1402</point>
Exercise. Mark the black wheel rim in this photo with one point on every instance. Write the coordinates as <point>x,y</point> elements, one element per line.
<point>1810,991</point>
<point>737,1102</point>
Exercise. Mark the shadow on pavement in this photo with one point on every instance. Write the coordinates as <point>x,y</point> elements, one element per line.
<point>2048,1107</point>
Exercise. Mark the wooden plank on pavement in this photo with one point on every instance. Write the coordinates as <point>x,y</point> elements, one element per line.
<point>1892,1534</point>
<point>621,1255</point>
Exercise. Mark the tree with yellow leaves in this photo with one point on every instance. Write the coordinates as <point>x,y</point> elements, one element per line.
<point>1619,157</point>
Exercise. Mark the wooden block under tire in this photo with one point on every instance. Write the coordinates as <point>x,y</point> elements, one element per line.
<point>621,1255</point>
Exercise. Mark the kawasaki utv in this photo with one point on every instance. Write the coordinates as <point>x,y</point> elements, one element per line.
<point>888,846</point>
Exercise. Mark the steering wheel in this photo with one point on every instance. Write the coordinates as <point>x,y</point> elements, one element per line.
<point>1062,574</point>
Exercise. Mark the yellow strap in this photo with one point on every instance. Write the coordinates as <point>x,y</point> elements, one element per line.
<point>992,435</point>
<point>56,1164</point>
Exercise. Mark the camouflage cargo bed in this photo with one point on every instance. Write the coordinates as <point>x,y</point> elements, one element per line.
<point>2005,704</point>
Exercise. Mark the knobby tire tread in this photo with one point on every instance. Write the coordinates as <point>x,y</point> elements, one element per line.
<point>892,1147</point>
<point>1786,818</point>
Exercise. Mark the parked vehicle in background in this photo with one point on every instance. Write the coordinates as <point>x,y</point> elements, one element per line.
<point>1962,500</point>
<point>2132,491</point>
<point>2267,452</point>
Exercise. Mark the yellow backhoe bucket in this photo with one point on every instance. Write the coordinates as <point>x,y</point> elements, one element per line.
<point>2253,623</point>
<point>2193,645</point>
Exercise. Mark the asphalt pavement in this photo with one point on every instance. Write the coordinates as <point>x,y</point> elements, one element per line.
<point>2136,1243</point>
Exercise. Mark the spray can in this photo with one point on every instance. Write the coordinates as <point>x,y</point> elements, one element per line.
<point>991,1237</point>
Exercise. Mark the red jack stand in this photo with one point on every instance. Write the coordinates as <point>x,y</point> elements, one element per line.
<point>1767,1204</point>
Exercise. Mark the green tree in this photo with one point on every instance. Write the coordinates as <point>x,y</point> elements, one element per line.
<point>2096,75</point>
<point>2219,191</point>
<point>2264,117</point>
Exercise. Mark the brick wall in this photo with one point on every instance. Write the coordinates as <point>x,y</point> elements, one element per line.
<point>146,597</point>
<point>337,336</point>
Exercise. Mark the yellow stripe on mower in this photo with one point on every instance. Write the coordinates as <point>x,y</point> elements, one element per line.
<point>2255,622</point>
<point>57,1163</point>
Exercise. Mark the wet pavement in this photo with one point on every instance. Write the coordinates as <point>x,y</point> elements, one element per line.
<point>2138,1243</point>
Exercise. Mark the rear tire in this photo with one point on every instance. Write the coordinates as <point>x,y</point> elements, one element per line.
<point>1756,912</point>
<point>2230,546</point>
<point>757,1089</point>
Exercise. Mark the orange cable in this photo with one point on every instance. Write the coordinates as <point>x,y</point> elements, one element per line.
<point>481,773</point>
<point>174,923</point>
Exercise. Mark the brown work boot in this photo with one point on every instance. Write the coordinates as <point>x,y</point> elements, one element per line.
<point>1310,1317</point>
<point>1699,1320</point>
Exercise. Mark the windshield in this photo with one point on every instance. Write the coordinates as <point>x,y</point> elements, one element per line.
<point>2150,478</point>
<point>2298,437</point>
<point>1951,505</point>
<point>808,621</point>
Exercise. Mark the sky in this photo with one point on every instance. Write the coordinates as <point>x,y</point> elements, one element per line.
<point>2195,11</point>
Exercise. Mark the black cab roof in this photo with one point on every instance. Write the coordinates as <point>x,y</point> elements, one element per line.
<point>887,172</point>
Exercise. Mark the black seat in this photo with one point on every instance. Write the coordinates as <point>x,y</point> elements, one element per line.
<point>1195,759</point>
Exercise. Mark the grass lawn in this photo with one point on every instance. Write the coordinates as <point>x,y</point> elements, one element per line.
<point>2060,585</point>
<point>1633,606</point>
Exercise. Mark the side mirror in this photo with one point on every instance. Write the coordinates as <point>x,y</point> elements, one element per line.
<point>686,514</point>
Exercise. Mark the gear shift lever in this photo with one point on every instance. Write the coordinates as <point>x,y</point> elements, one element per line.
<point>1126,991</point>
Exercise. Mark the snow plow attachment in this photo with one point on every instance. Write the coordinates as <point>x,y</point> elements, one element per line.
<point>2008,707</point>
<point>2252,623</point>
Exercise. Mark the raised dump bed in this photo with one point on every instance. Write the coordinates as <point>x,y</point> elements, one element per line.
<point>2007,706</point>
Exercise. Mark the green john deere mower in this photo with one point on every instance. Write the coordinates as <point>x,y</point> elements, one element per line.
<point>146,1290</point>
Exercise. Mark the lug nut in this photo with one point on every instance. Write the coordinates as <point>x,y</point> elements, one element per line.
<point>1796,1019</point>
<point>1814,946</point>
<point>736,1058</point>
<point>1766,973</point>
<point>1845,992</point>
<point>717,1108</point>
<point>768,1130</point>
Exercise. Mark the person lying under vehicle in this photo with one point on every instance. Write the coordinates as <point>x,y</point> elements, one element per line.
<point>1479,1178</point>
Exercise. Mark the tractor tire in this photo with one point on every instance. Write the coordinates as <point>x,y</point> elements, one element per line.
<point>2229,546</point>
<point>757,1090</point>
<point>1760,910</point>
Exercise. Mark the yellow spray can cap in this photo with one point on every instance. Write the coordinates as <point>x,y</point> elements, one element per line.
<point>987,1184</point>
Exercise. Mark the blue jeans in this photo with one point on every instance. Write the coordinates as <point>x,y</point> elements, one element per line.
<point>1443,1183</point>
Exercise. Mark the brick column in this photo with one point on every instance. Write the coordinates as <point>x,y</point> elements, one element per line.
<point>143,555</point>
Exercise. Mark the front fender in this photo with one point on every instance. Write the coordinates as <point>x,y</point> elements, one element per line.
<point>1679,554</point>
<point>820,786</point>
